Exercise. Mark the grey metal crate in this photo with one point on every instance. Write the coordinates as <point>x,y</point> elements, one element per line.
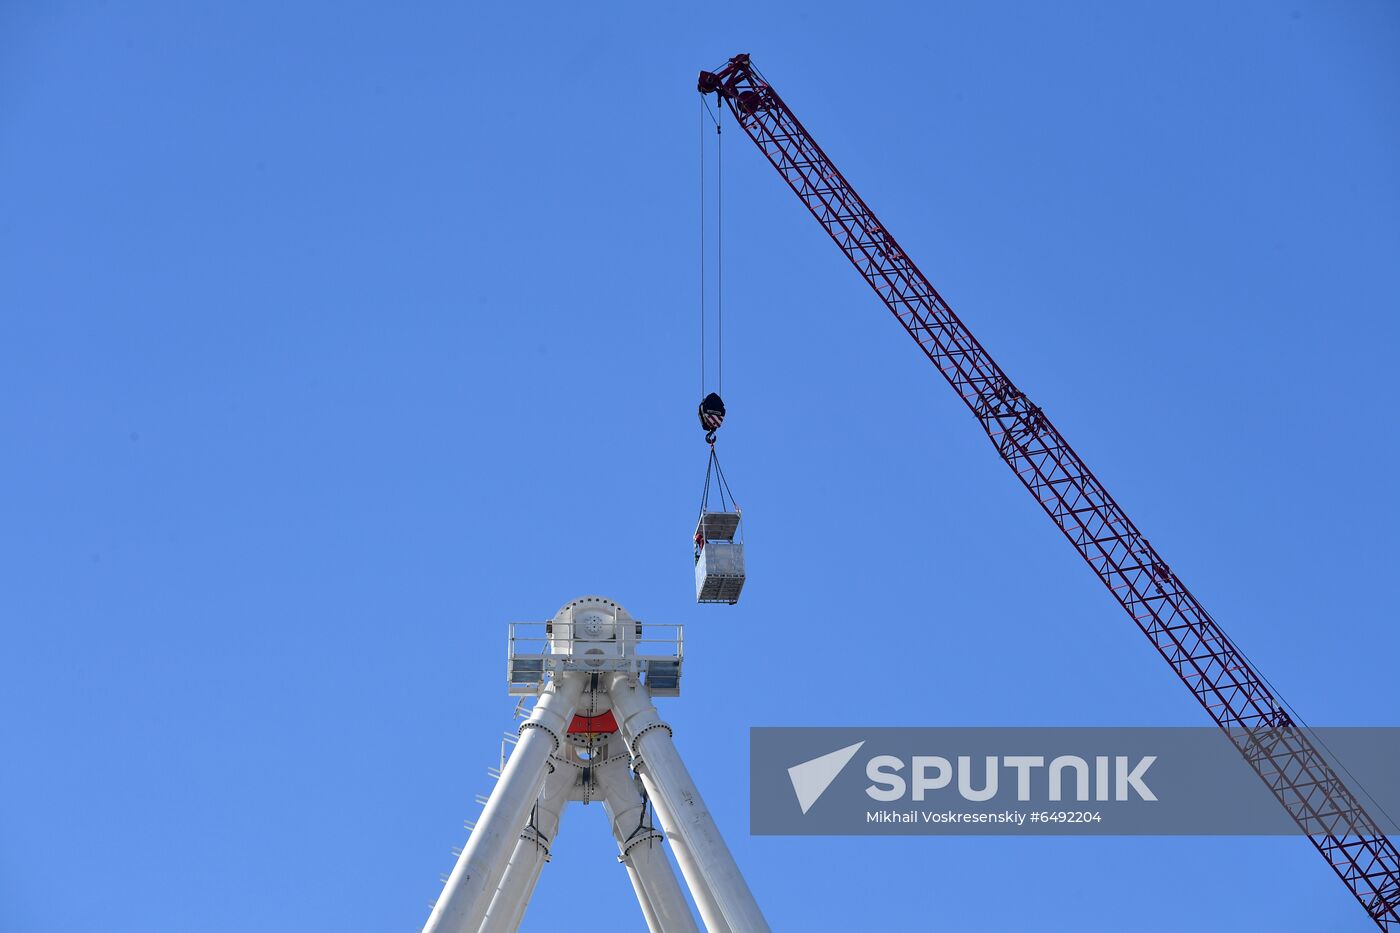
<point>719,573</point>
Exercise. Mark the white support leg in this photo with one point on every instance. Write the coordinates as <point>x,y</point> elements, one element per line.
<point>658,891</point>
<point>708,866</point>
<point>648,915</point>
<point>531,851</point>
<point>705,902</point>
<point>478,872</point>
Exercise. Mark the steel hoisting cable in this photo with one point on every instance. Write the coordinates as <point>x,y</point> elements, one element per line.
<point>714,475</point>
<point>719,248</point>
<point>725,493</point>
<point>703,108</point>
<point>705,493</point>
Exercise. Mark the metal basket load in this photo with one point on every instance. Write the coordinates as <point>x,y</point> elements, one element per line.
<point>719,558</point>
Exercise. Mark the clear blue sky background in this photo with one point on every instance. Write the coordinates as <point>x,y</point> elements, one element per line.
<point>335,336</point>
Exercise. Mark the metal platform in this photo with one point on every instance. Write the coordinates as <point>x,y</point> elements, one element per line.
<point>718,526</point>
<point>536,649</point>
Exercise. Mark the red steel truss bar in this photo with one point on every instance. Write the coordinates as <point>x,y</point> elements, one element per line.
<point>1181,630</point>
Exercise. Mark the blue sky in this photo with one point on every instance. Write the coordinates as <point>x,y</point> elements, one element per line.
<point>333,337</point>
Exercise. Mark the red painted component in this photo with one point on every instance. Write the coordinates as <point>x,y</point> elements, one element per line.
<point>1198,650</point>
<point>602,724</point>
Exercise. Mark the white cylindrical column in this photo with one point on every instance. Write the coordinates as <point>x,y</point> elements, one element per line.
<point>477,874</point>
<point>531,851</point>
<point>704,898</point>
<point>658,891</point>
<point>648,915</point>
<point>709,866</point>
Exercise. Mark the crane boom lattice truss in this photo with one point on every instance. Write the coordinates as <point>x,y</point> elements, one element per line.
<point>1176,623</point>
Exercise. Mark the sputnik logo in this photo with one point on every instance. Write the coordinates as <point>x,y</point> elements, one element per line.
<point>811,778</point>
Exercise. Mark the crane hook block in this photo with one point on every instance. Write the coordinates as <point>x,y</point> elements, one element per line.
<point>711,415</point>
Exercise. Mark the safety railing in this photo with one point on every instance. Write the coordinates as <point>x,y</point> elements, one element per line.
<point>537,650</point>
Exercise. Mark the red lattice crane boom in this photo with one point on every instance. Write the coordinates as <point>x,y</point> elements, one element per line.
<point>1171,617</point>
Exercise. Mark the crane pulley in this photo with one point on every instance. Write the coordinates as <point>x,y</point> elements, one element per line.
<point>1274,743</point>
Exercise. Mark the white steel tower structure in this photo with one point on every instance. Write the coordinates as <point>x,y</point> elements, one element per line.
<point>594,734</point>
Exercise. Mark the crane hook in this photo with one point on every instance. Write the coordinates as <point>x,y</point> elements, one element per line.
<point>711,416</point>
